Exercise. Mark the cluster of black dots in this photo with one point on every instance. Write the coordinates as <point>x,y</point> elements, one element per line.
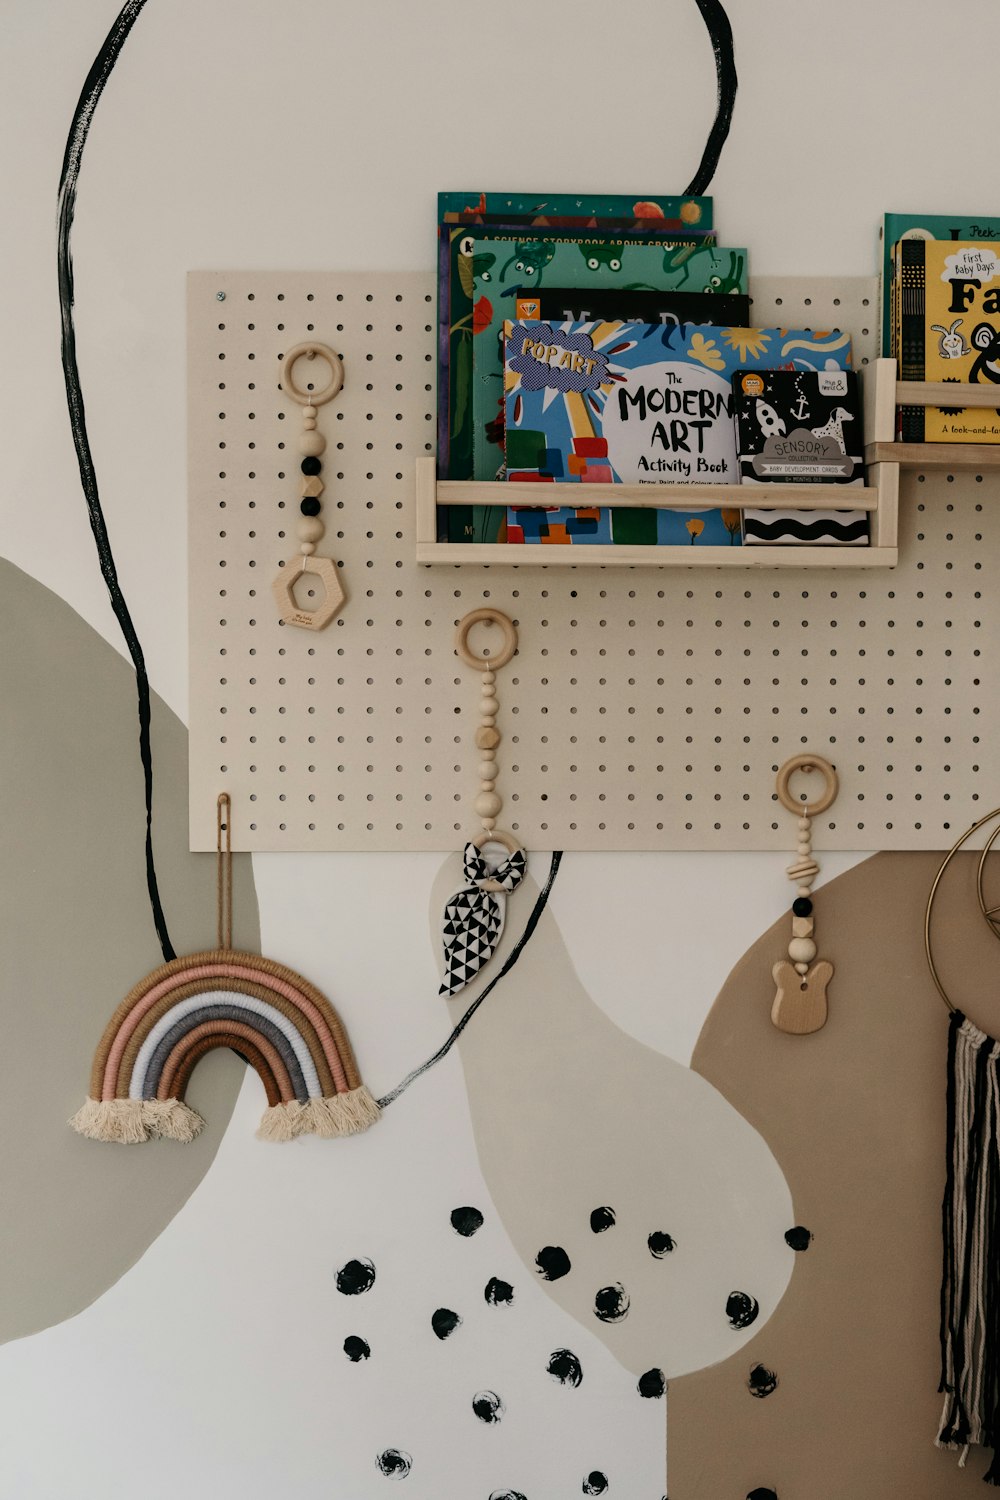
<point>611,1305</point>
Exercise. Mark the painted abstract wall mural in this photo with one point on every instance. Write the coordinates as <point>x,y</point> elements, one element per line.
<point>70,777</point>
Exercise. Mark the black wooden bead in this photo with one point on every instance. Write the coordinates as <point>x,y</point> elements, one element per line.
<point>802,906</point>
<point>311,466</point>
<point>310,506</point>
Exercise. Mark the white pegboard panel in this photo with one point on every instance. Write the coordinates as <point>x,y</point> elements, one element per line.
<point>646,709</point>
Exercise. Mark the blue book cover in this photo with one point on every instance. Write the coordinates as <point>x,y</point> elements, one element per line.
<point>612,402</point>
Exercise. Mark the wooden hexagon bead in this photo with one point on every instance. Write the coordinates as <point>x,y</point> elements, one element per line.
<point>312,487</point>
<point>325,570</point>
<point>487,738</point>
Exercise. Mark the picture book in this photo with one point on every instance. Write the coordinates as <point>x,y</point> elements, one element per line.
<point>677,211</point>
<point>465,311</point>
<point>949,329</point>
<point>582,305</point>
<point>523,267</point>
<point>800,427</point>
<point>925,227</point>
<point>637,403</point>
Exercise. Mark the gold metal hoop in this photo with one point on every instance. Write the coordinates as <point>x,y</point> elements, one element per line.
<point>807,763</point>
<point>989,913</point>
<point>310,350</point>
<point>956,846</point>
<point>496,836</point>
<point>491,617</point>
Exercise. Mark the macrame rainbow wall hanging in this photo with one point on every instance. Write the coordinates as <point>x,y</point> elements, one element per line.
<point>285,1028</point>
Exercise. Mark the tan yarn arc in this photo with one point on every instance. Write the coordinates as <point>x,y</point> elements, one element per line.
<point>264,1058</point>
<point>229,956</point>
<point>202,986</point>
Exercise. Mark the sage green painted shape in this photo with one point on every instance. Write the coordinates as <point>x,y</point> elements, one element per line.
<point>78,934</point>
<point>570,1113</point>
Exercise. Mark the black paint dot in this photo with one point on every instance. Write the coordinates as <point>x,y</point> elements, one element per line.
<point>394,1463</point>
<point>487,1406</point>
<point>762,1381</point>
<point>601,1219</point>
<point>612,1303</point>
<point>507,1495</point>
<point>466,1221</point>
<point>660,1243</point>
<point>742,1309</point>
<point>652,1385</point>
<point>762,1495</point>
<point>356,1277</point>
<point>565,1367</point>
<point>552,1262</point>
<point>498,1293</point>
<point>356,1349</point>
<point>595,1483</point>
<point>444,1321</point>
<point>798,1238</point>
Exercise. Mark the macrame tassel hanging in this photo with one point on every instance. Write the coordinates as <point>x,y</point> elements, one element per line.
<point>970,1289</point>
<point>474,916</point>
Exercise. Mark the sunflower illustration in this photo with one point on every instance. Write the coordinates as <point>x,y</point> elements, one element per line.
<point>705,352</point>
<point>750,343</point>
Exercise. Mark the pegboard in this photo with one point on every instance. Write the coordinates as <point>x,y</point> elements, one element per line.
<point>646,709</point>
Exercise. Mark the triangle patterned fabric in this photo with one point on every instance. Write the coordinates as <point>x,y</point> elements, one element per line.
<point>474,917</point>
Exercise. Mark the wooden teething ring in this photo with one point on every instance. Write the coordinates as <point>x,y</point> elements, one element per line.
<point>309,350</point>
<point>493,617</point>
<point>807,763</point>
<point>496,836</point>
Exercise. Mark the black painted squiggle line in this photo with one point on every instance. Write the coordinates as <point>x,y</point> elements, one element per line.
<point>83,116</point>
<point>511,960</point>
<point>721,33</point>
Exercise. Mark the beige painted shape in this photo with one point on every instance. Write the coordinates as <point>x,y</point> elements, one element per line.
<point>855,1116</point>
<point>77,935</point>
<point>570,1114</point>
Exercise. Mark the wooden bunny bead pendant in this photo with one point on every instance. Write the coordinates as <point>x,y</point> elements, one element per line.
<point>801,1005</point>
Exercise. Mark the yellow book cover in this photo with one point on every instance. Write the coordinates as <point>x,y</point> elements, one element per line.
<point>949,329</point>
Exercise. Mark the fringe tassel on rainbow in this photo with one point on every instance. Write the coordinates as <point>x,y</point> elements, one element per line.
<point>285,1028</point>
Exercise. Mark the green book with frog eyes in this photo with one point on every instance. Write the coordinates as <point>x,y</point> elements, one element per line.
<point>469,312</point>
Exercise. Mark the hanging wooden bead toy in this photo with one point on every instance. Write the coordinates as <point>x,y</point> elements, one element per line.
<point>800,1005</point>
<point>474,917</point>
<point>311,445</point>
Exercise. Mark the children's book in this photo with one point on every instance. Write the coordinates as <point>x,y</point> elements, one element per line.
<point>949,329</point>
<point>468,272</point>
<point>638,403</point>
<point>677,212</point>
<point>523,267</point>
<point>800,427</point>
<point>925,227</point>
<point>583,305</point>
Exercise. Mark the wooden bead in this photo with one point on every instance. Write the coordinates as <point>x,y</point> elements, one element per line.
<point>312,444</point>
<point>487,804</point>
<point>804,869</point>
<point>804,825</point>
<point>802,969</point>
<point>805,889</point>
<point>489,824</point>
<point>311,529</point>
<point>309,412</point>
<point>488,718</point>
<point>803,927</point>
<point>489,677</point>
<point>312,486</point>
<point>307,549</point>
<point>487,738</point>
<point>802,950</point>
<point>309,423</point>
<point>488,772</point>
